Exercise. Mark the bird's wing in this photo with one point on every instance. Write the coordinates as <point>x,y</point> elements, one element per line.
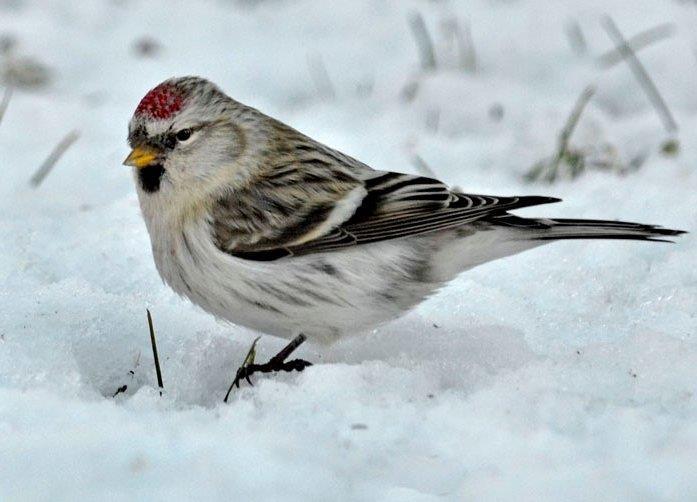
<point>269,215</point>
<point>380,206</point>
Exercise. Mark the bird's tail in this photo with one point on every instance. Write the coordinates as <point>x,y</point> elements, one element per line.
<point>545,229</point>
<point>602,229</point>
<point>519,234</point>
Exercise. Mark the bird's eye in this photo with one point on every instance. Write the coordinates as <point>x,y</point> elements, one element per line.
<point>184,134</point>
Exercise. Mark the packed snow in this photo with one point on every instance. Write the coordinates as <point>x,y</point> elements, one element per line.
<point>564,373</point>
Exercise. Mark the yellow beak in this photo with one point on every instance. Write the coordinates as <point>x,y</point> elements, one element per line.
<point>142,156</point>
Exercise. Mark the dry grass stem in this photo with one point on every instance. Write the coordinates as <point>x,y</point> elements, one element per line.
<point>53,158</point>
<point>549,169</point>
<point>576,39</point>
<point>422,167</point>
<point>636,43</point>
<point>468,54</point>
<point>156,357</point>
<point>5,102</point>
<point>424,42</point>
<point>320,76</point>
<point>641,75</point>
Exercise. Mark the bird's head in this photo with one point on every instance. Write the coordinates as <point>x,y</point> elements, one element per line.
<point>183,134</point>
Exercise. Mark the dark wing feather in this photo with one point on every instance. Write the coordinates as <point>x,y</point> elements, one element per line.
<point>400,205</point>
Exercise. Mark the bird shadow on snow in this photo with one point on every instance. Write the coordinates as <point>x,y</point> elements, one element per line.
<point>463,359</point>
<point>199,367</point>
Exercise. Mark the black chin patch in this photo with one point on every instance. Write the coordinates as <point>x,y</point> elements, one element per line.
<point>150,177</point>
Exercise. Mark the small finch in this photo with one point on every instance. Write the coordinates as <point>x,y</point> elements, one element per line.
<point>265,227</point>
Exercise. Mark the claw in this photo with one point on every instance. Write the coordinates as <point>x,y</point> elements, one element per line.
<point>276,363</point>
<point>252,354</point>
<point>242,370</point>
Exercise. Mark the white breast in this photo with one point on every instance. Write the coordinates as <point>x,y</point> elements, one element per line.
<point>324,295</point>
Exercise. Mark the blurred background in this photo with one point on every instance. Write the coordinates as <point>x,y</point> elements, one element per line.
<point>566,372</point>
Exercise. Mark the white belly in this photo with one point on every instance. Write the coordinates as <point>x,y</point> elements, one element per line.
<point>323,295</point>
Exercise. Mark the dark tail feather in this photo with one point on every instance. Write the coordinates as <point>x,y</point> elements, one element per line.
<point>543,229</point>
<point>532,200</point>
<point>561,229</point>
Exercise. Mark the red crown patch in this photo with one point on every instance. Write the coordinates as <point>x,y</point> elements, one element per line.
<point>160,103</point>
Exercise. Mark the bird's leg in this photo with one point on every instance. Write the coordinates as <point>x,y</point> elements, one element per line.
<point>276,363</point>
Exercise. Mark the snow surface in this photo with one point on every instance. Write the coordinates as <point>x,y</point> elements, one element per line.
<point>565,373</point>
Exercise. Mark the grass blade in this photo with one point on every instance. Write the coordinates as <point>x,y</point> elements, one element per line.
<point>158,371</point>
<point>53,158</point>
<point>641,75</point>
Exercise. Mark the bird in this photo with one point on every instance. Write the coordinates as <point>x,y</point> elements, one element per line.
<point>267,228</point>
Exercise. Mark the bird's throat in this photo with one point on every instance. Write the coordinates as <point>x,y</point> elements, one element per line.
<point>150,177</point>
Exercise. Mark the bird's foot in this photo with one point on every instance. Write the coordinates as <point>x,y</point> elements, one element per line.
<point>276,363</point>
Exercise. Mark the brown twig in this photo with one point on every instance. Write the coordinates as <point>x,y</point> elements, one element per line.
<point>641,75</point>
<point>636,43</point>
<point>424,43</point>
<point>158,371</point>
<point>53,157</point>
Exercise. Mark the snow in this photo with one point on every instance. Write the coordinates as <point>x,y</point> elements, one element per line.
<point>564,373</point>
